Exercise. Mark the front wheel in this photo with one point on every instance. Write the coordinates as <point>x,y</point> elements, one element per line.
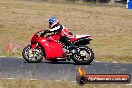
<point>32,56</point>
<point>85,55</point>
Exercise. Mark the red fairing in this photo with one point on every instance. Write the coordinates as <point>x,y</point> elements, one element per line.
<point>52,48</point>
<point>55,37</point>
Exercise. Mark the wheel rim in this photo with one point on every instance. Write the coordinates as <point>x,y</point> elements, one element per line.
<point>83,55</point>
<point>33,56</point>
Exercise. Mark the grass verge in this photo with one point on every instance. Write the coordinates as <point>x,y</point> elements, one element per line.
<point>20,83</point>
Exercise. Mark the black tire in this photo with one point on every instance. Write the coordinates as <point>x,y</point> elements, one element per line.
<point>26,55</point>
<point>84,62</point>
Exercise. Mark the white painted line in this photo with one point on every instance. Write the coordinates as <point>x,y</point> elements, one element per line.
<point>61,80</point>
<point>33,79</point>
<point>16,57</point>
<point>115,62</point>
<point>8,78</point>
<point>18,78</point>
<point>74,81</point>
<point>57,80</point>
<point>97,61</point>
<point>108,62</point>
<point>3,56</point>
<point>128,84</point>
<point>11,57</point>
<point>19,57</point>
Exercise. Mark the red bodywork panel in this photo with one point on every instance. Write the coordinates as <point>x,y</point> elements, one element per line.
<point>53,49</point>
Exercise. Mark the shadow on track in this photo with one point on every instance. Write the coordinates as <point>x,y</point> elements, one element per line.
<point>51,62</point>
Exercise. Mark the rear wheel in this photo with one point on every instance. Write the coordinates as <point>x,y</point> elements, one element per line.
<point>32,56</point>
<point>85,55</point>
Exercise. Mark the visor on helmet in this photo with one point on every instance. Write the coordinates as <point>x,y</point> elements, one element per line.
<point>50,23</point>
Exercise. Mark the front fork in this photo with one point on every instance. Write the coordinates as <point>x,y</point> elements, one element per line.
<point>34,49</point>
<point>34,46</point>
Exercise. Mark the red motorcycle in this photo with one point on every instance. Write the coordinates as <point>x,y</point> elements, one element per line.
<point>50,48</point>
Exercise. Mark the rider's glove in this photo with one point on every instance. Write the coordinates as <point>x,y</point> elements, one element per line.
<point>44,32</point>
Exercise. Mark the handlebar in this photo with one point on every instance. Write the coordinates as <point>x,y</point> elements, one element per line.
<point>39,33</point>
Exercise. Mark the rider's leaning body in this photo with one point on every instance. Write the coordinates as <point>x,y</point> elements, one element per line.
<point>56,27</point>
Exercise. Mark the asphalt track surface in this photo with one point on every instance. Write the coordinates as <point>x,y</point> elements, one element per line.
<point>19,68</point>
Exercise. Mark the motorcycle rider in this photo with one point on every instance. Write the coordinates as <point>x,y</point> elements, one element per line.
<point>56,27</point>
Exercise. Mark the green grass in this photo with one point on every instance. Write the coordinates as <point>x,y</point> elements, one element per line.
<point>111,26</point>
<point>20,83</point>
